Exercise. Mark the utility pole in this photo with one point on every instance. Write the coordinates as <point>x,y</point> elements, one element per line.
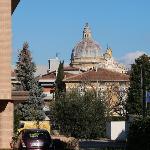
<point>97,86</point>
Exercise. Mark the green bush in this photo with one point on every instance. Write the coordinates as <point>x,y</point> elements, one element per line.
<point>139,135</point>
<point>80,116</point>
<point>116,118</point>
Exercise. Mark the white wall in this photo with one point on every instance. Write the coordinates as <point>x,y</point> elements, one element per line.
<point>116,130</point>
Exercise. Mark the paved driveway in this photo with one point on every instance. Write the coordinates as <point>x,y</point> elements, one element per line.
<point>101,144</point>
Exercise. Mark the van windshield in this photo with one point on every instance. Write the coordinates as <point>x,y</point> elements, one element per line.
<point>36,134</point>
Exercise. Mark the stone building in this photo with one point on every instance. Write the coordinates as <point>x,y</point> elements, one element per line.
<point>110,84</point>
<point>97,80</point>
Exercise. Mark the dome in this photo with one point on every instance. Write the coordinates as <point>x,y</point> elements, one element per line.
<point>87,47</point>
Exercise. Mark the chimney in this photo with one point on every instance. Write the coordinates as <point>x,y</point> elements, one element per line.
<point>48,66</point>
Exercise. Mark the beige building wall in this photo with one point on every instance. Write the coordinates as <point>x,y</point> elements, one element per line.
<point>5,49</point>
<point>6,123</point>
<point>6,106</point>
<point>111,90</point>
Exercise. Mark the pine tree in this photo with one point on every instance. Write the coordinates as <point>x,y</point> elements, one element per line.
<point>32,108</point>
<point>139,83</point>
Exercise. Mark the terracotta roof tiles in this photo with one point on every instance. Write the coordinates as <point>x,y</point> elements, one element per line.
<point>69,68</point>
<point>100,75</point>
<point>52,75</point>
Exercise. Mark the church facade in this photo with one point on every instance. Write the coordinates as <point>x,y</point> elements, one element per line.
<point>86,55</point>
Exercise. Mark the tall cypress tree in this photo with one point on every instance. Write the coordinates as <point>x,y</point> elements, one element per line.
<point>32,109</point>
<point>60,85</point>
<point>139,83</point>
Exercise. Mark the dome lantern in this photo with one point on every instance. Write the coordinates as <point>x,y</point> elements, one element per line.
<point>87,32</point>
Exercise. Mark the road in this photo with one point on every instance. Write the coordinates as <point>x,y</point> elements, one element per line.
<point>101,144</point>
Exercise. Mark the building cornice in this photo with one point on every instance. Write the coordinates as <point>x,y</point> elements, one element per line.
<point>14,4</point>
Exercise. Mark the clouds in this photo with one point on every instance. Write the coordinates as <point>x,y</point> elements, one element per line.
<point>129,58</point>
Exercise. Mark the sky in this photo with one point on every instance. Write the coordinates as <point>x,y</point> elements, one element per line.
<point>55,26</point>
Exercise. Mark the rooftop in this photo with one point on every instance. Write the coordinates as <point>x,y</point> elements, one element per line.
<point>99,75</point>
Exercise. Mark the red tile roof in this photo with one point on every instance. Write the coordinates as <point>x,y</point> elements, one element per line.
<point>100,75</point>
<point>68,75</point>
<point>69,68</point>
<point>52,75</point>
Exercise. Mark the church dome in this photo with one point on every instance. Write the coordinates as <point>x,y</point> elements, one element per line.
<point>87,47</point>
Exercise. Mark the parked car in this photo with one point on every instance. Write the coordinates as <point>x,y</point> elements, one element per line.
<point>38,139</point>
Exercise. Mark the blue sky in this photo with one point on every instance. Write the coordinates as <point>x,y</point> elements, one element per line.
<point>55,26</point>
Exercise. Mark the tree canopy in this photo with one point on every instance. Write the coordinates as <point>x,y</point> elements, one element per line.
<point>80,116</point>
<point>139,134</point>
<point>139,83</point>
